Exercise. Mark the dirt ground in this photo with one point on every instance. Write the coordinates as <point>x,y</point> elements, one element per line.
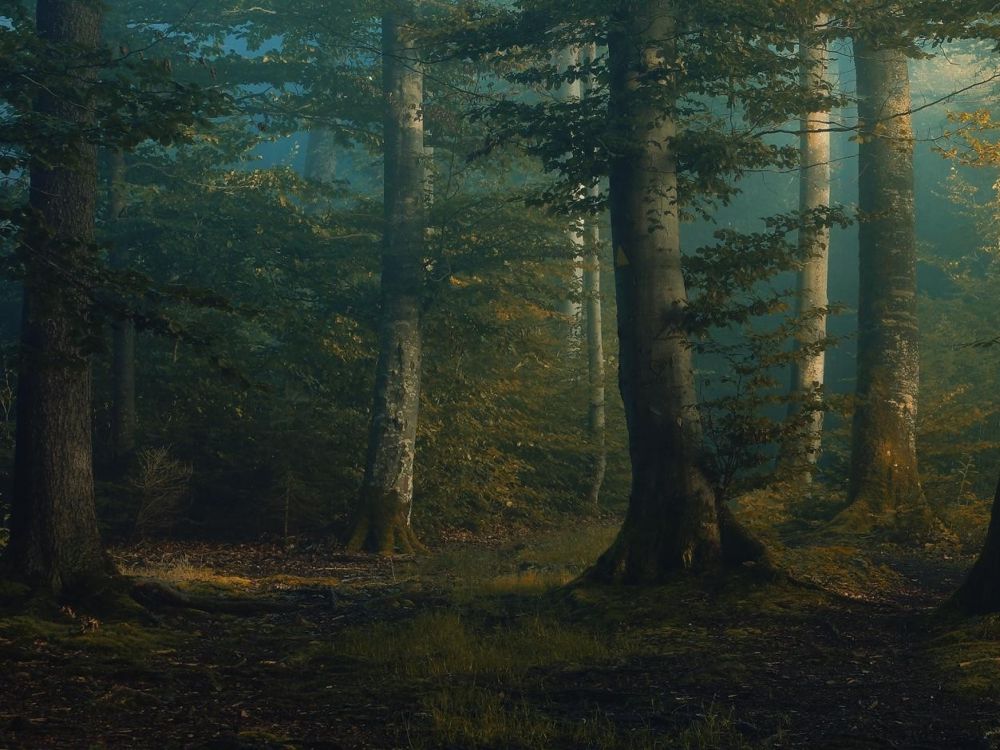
<point>488,647</point>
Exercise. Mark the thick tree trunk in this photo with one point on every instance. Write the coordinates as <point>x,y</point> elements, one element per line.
<point>321,156</point>
<point>123,412</point>
<point>594,328</point>
<point>980,594</point>
<point>382,521</point>
<point>674,520</point>
<point>814,243</point>
<point>54,539</point>
<point>885,488</point>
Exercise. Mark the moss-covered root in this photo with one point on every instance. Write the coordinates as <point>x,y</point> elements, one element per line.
<point>740,546</point>
<point>648,556</point>
<point>911,522</point>
<point>383,536</point>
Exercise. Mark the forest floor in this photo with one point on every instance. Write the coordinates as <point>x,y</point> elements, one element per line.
<point>486,646</point>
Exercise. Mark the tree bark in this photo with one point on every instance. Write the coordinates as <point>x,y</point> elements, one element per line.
<point>54,539</point>
<point>808,370</point>
<point>885,487</point>
<point>980,593</point>
<point>571,307</point>
<point>594,327</point>
<point>382,520</point>
<point>674,520</point>
<point>123,411</point>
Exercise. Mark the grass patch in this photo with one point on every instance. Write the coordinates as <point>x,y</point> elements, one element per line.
<point>550,561</point>
<point>437,645</point>
<point>194,579</point>
<point>968,655</point>
<point>481,718</point>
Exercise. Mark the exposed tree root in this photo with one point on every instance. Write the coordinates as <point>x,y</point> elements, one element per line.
<point>914,522</point>
<point>384,538</point>
<point>645,556</point>
<point>154,595</point>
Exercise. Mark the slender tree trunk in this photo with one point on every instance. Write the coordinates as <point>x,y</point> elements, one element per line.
<point>980,593</point>
<point>674,519</point>
<point>885,488</point>
<point>572,308</point>
<point>123,412</point>
<point>594,326</point>
<point>382,521</point>
<point>321,156</point>
<point>54,539</point>
<point>808,371</point>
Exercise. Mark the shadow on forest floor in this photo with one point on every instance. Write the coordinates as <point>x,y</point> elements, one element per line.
<point>478,646</point>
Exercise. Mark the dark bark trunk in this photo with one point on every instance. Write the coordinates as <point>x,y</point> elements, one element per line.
<point>980,594</point>
<point>808,371</point>
<point>123,412</point>
<point>885,487</point>
<point>382,520</point>
<point>594,328</point>
<point>594,324</point>
<point>54,538</point>
<point>674,520</point>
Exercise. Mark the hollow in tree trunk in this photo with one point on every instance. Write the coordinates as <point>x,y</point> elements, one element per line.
<point>674,521</point>
<point>382,518</point>
<point>54,542</point>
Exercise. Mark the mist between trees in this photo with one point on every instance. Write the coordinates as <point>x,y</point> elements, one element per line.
<point>385,277</point>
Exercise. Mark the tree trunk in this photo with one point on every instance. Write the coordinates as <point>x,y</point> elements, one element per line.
<point>885,488</point>
<point>811,297</point>
<point>321,156</point>
<point>123,412</point>
<point>382,520</point>
<point>571,307</point>
<point>980,594</point>
<point>594,327</point>
<point>674,521</point>
<point>54,539</point>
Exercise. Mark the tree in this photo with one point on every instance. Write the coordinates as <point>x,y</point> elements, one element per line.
<point>594,331</point>
<point>123,412</point>
<point>884,484</point>
<point>321,156</point>
<point>54,538</point>
<point>674,519</point>
<point>814,244</point>
<point>382,519</point>
<point>980,593</point>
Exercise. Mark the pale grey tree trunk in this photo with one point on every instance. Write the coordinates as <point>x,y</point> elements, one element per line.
<point>571,307</point>
<point>321,156</point>
<point>811,300</point>
<point>674,520</point>
<point>54,540</point>
<point>884,484</point>
<point>123,410</point>
<point>594,328</point>
<point>382,520</point>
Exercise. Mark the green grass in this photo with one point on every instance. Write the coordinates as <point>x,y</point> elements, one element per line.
<point>967,655</point>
